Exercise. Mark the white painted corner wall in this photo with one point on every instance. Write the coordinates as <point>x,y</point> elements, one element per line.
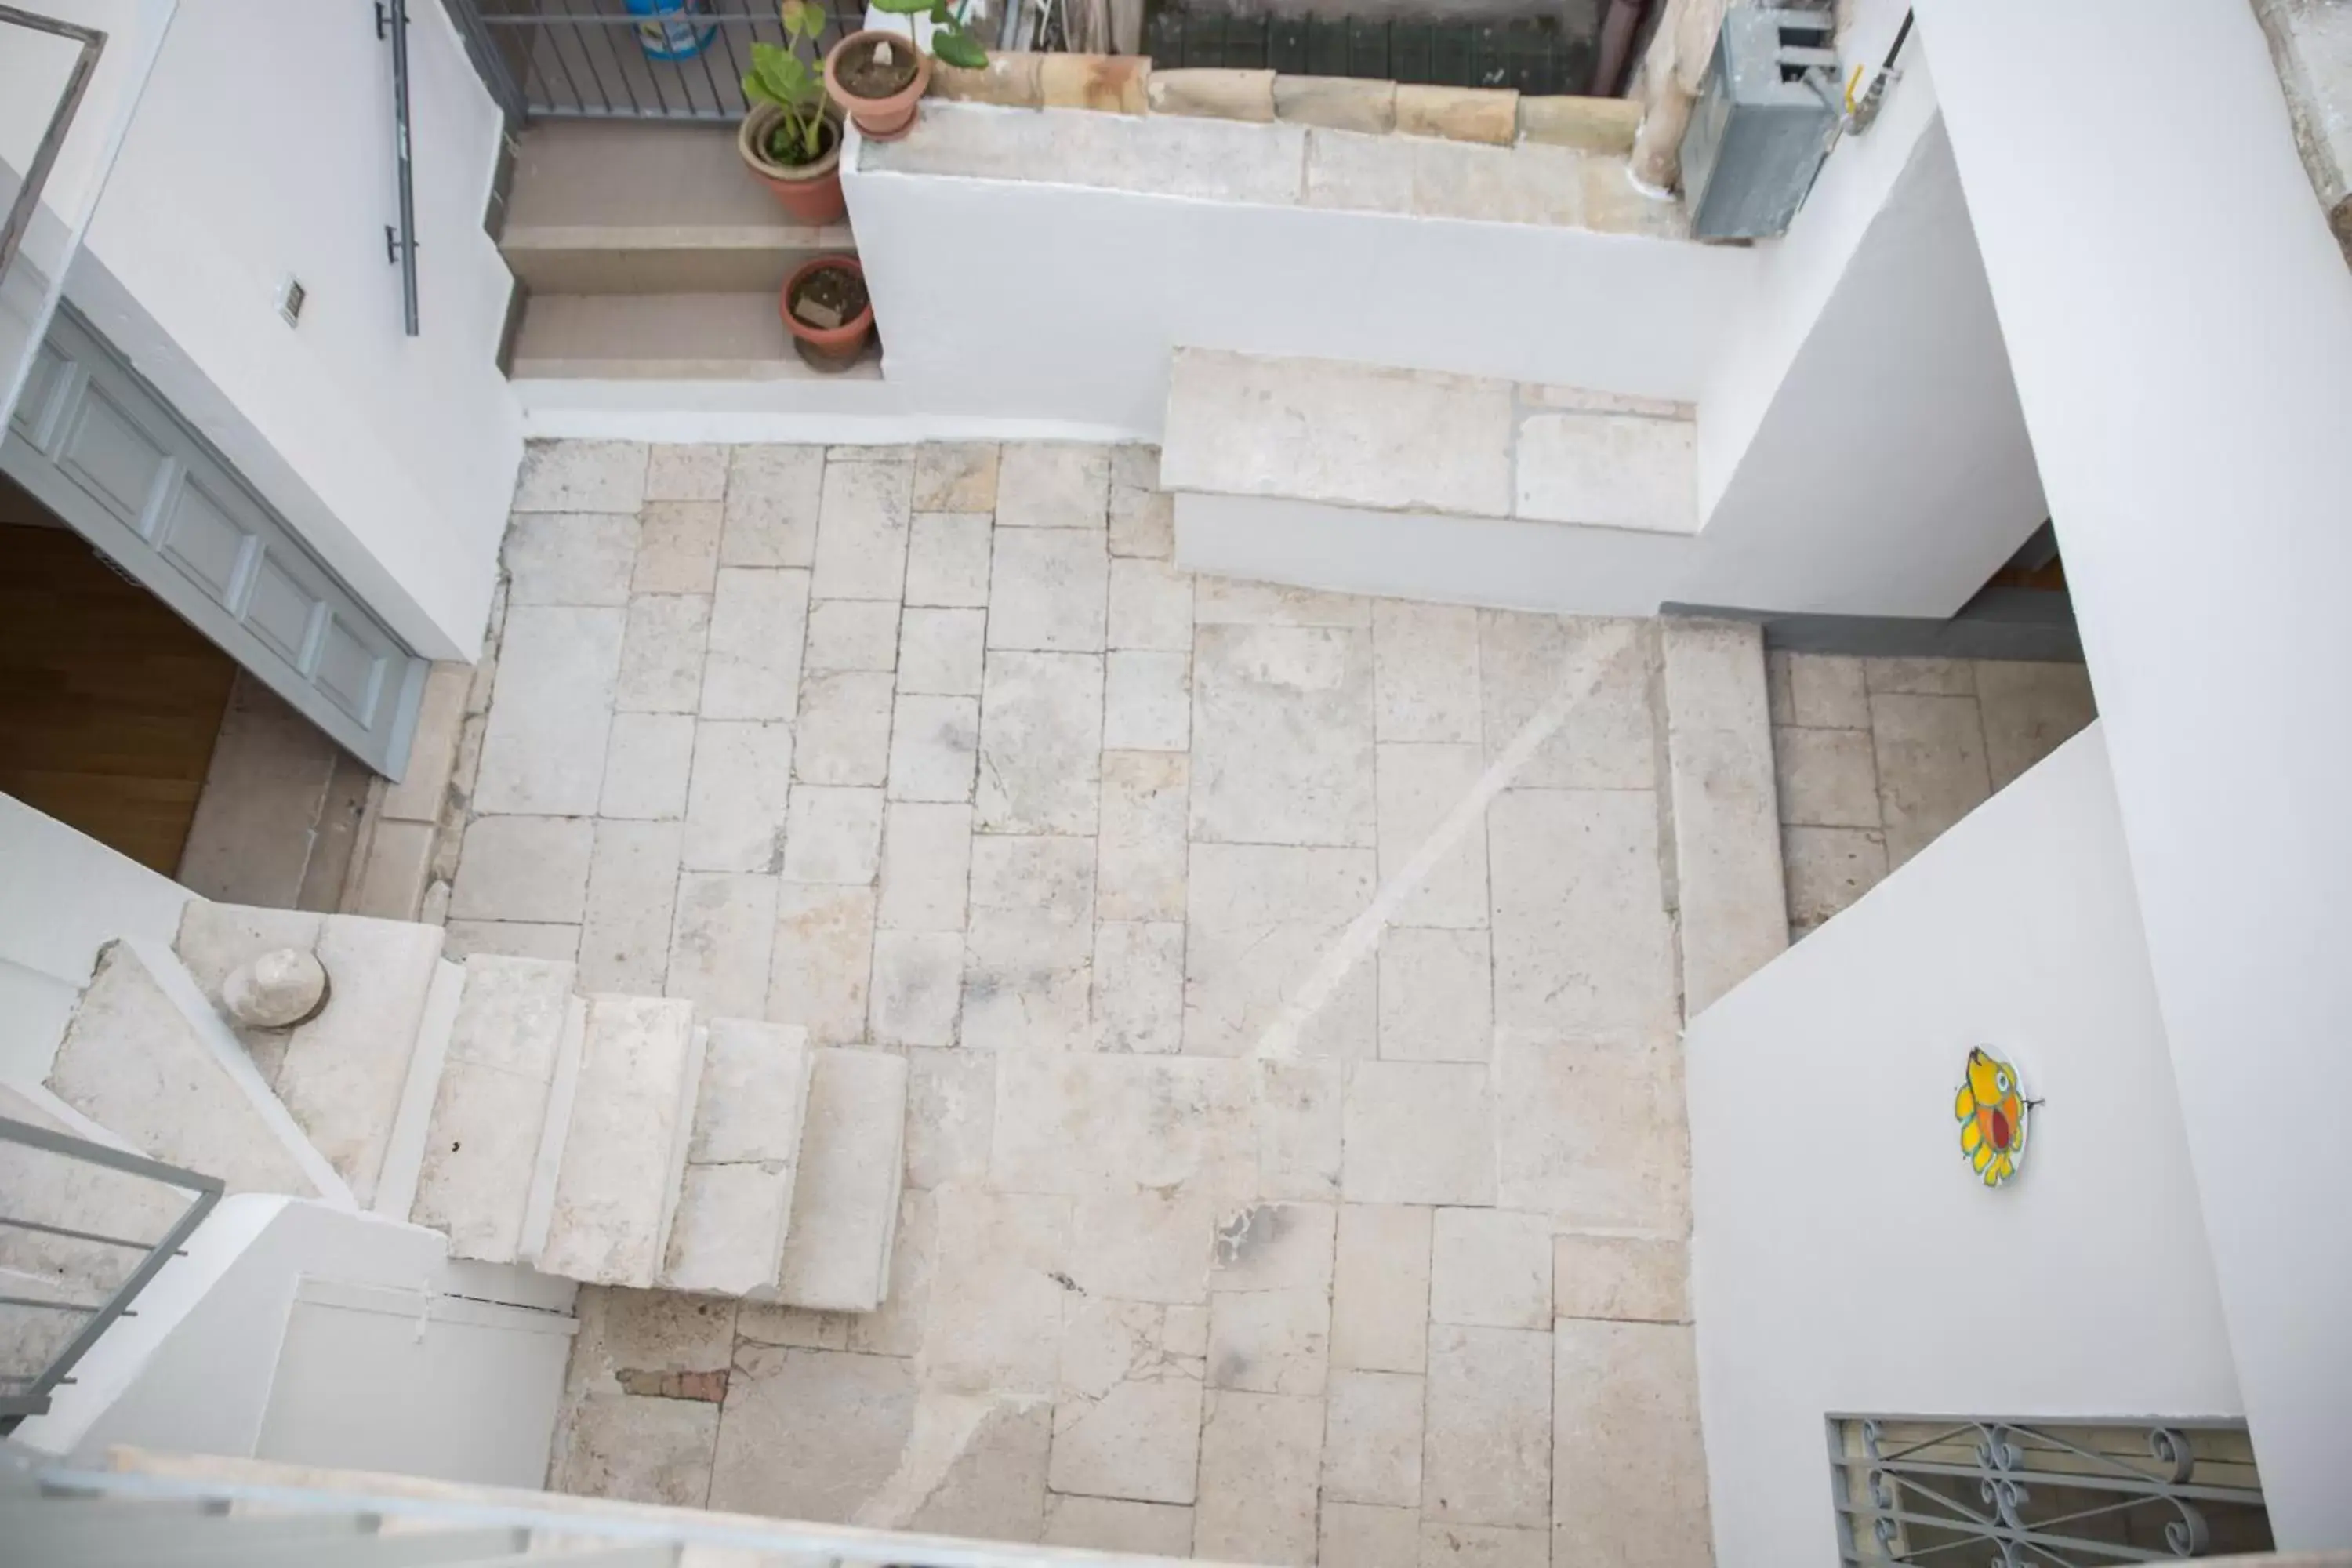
<point>1844,1256</point>
<point>2189,387</point>
<point>63,896</point>
<point>262,146</point>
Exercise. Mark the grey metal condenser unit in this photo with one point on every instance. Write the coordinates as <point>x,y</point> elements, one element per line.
<point>1763,122</point>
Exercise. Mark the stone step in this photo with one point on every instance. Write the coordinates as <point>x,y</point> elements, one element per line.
<point>731,336</point>
<point>1425,442</point>
<point>46,1190</point>
<point>344,1072</point>
<point>490,1105</point>
<point>625,1142</point>
<point>146,1057</point>
<point>1724,803</point>
<point>736,1201</point>
<point>609,207</point>
<point>846,1201</point>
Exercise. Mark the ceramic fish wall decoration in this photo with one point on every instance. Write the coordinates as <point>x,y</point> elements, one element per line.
<point>1992,1112</point>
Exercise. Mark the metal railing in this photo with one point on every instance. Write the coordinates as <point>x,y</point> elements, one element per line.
<point>2056,1494</point>
<point>603,59</point>
<point>50,1269</point>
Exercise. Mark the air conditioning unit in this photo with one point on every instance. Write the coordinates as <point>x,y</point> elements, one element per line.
<point>1764,121</point>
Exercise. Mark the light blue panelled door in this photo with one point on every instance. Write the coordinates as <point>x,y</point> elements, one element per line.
<point>107,453</point>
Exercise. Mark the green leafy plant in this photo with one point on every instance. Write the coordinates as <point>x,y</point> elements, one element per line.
<point>950,42</point>
<point>794,86</point>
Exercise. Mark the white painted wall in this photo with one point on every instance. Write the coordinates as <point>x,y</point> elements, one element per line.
<point>2189,386</point>
<point>1062,302</point>
<point>63,895</point>
<point>294,1330</point>
<point>1846,1260</point>
<point>263,145</point>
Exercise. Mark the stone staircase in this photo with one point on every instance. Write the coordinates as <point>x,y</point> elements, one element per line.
<point>650,253</point>
<point>1422,484</point>
<point>608,1139</point>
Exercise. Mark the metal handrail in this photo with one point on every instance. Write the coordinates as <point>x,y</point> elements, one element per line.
<point>91,41</point>
<point>206,1192</point>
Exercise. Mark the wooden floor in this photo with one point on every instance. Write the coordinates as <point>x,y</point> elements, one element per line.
<point>110,702</point>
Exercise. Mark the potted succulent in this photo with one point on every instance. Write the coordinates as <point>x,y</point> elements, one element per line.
<point>879,77</point>
<point>791,136</point>
<point>825,308</point>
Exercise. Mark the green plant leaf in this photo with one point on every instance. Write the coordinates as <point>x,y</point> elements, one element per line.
<point>757,91</point>
<point>802,18</point>
<point>958,50</point>
<point>903,8</point>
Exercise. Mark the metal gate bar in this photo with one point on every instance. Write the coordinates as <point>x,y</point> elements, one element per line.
<point>597,59</point>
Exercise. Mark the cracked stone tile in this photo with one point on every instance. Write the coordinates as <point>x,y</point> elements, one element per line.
<point>995,1487</point>
<point>842,734</point>
<point>810,1433</point>
<point>647,1330</point>
<point>1270,1299</point>
<point>863,525</point>
<point>1632,1277</point>
<point>1609,738</point>
<point>1282,736</point>
<point>1299,1109</point>
<point>771,505</point>
<point>1088,1121</point>
<point>1262,918</point>
<point>1053,484</point>
<point>823,953</point>
<point>1029,950</point>
<point>1144,1246</point>
<point>1127,1422</point>
<point>1114,1524</point>
<point>997,1294</point>
<point>769,1323</point>
<point>736,797</point>
<point>635,1450</point>
<point>1041,743</point>
<point>947,559</point>
<point>1047,591</point>
<point>632,882</point>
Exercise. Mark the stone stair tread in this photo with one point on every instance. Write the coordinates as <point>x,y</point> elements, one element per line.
<point>215,940</point>
<point>345,1071</point>
<point>1389,439</point>
<point>845,1199</point>
<point>621,1145</point>
<point>137,1059</point>
<point>736,336</point>
<point>482,1144</point>
<point>736,1197</point>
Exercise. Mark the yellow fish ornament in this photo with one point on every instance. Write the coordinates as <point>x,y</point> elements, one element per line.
<point>1992,1110</point>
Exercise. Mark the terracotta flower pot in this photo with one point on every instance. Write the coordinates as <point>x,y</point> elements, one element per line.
<point>832,349</point>
<point>883,119</point>
<point>810,192</point>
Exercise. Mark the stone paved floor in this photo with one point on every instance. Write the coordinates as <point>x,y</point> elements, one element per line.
<point>1295,1151</point>
<point>1876,757</point>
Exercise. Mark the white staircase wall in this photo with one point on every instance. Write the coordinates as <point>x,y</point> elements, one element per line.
<point>63,896</point>
<point>1845,1258</point>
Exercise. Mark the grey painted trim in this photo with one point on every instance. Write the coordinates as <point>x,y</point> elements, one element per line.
<point>110,456</point>
<point>1999,623</point>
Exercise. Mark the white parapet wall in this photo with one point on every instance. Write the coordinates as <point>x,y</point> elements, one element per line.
<point>1845,1256</point>
<point>63,895</point>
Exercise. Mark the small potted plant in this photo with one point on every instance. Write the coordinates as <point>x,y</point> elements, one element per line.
<point>825,308</point>
<point>880,76</point>
<point>792,137</point>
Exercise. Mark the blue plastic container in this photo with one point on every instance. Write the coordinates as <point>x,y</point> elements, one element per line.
<point>674,29</point>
